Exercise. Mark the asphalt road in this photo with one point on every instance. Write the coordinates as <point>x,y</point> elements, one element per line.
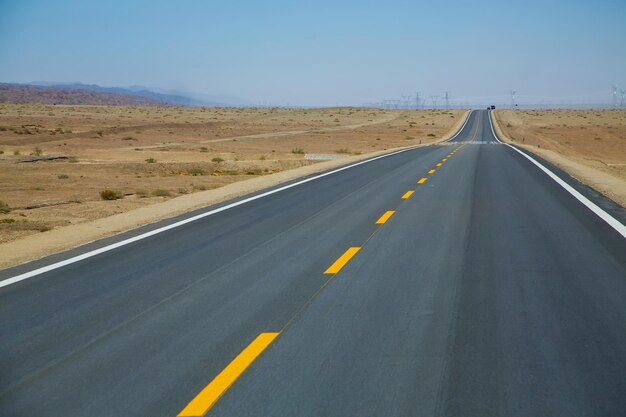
<point>489,291</point>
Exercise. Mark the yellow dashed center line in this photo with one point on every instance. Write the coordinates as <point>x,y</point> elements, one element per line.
<point>343,259</point>
<point>383,219</point>
<point>200,405</point>
<point>203,402</point>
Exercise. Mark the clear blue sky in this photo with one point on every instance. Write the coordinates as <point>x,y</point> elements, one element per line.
<point>322,52</point>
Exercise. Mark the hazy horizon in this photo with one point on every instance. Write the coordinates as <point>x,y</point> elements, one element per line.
<point>323,53</point>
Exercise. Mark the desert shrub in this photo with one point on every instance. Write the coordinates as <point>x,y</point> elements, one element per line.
<point>7,221</point>
<point>151,160</point>
<point>141,193</point>
<point>37,151</point>
<point>111,195</point>
<point>63,177</point>
<point>4,207</point>
<point>298,151</point>
<point>128,138</point>
<point>431,135</point>
<point>204,149</point>
<point>195,171</point>
<point>217,160</point>
<point>161,193</point>
<point>343,150</point>
<point>16,152</point>
<point>1,152</point>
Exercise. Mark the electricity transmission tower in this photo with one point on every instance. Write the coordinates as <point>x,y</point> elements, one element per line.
<point>513,99</point>
<point>434,100</point>
<point>447,98</point>
<point>417,100</point>
<point>406,101</point>
<point>623,93</point>
<point>614,96</point>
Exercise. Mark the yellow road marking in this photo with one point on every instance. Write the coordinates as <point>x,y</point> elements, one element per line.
<point>422,181</point>
<point>407,195</point>
<point>439,164</point>
<point>383,219</point>
<point>343,259</point>
<point>432,171</point>
<point>444,159</point>
<point>200,405</point>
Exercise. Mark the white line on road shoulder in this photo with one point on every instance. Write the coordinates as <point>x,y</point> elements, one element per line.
<point>612,221</point>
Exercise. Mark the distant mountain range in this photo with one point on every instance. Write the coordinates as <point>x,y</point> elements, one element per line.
<point>77,93</point>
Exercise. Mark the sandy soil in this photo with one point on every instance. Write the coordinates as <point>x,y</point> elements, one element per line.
<point>56,204</point>
<point>588,144</point>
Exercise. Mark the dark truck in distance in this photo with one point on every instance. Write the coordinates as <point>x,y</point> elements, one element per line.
<point>492,107</point>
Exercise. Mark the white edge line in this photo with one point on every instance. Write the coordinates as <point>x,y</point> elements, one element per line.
<point>612,221</point>
<point>462,127</point>
<point>78,258</point>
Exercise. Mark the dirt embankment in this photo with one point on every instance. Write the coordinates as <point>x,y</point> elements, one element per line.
<point>588,144</point>
<point>170,167</point>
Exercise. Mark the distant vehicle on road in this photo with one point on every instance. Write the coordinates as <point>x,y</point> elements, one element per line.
<point>492,107</point>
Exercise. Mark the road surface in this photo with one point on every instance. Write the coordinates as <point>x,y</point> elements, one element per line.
<point>487,291</point>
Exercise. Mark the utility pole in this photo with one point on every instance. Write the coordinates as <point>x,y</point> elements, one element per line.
<point>447,98</point>
<point>621,103</point>
<point>417,100</point>
<point>614,96</point>
<point>513,99</point>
